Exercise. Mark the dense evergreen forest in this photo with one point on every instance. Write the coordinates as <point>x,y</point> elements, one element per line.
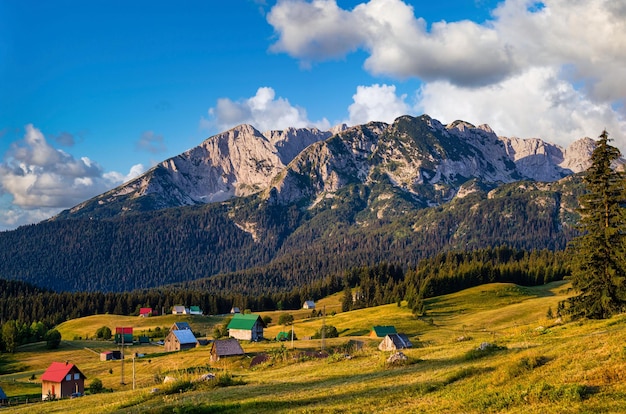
<point>32,309</point>
<point>248,243</point>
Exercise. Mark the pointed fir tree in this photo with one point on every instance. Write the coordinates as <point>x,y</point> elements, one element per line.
<point>599,254</point>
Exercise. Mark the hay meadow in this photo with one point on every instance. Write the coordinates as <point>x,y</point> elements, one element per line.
<point>533,364</point>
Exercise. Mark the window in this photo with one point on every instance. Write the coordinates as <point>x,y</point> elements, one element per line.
<point>68,377</point>
<point>76,376</point>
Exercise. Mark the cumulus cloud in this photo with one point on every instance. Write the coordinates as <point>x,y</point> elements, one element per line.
<point>551,68</point>
<point>376,103</point>
<point>151,142</point>
<point>536,100</point>
<point>41,180</point>
<point>398,43</point>
<point>263,110</point>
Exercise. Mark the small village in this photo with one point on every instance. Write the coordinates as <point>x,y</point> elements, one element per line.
<point>66,380</point>
<point>478,350</point>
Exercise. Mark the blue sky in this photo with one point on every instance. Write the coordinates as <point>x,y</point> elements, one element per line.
<point>95,92</point>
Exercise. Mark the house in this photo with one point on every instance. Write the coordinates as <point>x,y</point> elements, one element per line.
<point>179,310</point>
<point>61,380</point>
<point>382,331</point>
<point>224,348</point>
<point>124,335</point>
<point>246,327</point>
<point>4,400</point>
<point>394,342</point>
<point>309,304</point>
<point>179,340</point>
<point>110,355</point>
<point>145,312</point>
<point>235,309</point>
<point>179,326</point>
<point>195,310</point>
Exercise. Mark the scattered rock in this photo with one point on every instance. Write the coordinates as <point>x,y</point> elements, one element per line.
<point>206,377</point>
<point>396,358</point>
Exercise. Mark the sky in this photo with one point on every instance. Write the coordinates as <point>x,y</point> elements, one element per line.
<point>94,93</point>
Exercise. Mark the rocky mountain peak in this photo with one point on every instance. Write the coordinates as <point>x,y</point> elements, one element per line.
<point>422,157</point>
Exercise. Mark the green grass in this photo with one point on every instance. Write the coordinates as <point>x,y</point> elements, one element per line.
<point>537,365</point>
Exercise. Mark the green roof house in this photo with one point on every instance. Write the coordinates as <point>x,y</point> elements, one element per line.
<point>247,327</point>
<point>380,331</point>
<point>195,310</point>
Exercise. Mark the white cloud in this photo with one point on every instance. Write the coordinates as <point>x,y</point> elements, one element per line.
<point>536,101</point>
<point>399,44</point>
<point>263,110</point>
<point>377,103</point>
<point>551,68</point>
<point>41,180</point>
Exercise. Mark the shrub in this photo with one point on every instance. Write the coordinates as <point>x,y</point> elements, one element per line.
<point>96,386</point>
<point>329,332</point>
<point>53,339</point>
<point>483,350</point>
<point>525,364</point>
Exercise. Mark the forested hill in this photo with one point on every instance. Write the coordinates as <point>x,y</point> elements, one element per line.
<point>281,246</point>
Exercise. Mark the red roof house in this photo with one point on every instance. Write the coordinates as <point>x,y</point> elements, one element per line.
<point>145,312</point>
<point>61,380</point>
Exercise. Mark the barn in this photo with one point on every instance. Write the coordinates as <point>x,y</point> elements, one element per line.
<point>224,348</point>
<point>246,327</point>
<point>110,355</point>
<point>395,342</point>
<point>179,340</point>
<point>61,380</point>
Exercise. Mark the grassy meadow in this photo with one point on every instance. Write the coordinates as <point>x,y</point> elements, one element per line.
<point>535,364</point>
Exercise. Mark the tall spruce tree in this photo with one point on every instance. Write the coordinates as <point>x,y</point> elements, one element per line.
<point>599,254</point>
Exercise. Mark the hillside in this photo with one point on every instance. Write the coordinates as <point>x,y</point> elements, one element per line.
<point>540,365</point>
<point>312,205</point>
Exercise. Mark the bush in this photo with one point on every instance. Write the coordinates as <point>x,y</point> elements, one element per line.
<point>329,332</point>
<point>104,333</point>
<point>96,386</point>
<point>53,339</point>
<point>483,350</point>
<point>525,364</point>
<point>285,319</point>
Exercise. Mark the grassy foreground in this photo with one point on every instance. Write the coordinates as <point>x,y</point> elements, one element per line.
<point>536,365</point>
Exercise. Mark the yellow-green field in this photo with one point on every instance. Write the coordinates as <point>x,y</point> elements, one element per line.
<point>540,365</point>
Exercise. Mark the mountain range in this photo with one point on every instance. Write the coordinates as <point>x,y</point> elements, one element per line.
<point>281,208</point>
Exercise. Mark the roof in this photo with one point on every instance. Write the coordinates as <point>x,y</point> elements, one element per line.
<point>178,309</point>
<point>401,341</point>
<point>227,347</point>
<point>382,331</point>
<point>242,321</point>
<point>282,336</point>
<point>180,326</point>
<point>309,304</point>
<point>3,396</point>
<point>185,336</point>
<point>194,308</point>
<point>57,371</point>
<point>145,310</point>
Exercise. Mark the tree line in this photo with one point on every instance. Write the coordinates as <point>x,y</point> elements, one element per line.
<point>376,285</point>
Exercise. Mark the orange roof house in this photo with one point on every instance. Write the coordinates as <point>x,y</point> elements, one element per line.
<point>61,380</point>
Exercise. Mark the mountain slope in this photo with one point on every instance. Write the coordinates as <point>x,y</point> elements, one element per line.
<point>376,192</point>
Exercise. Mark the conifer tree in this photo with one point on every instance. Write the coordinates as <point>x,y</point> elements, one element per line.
<point>599,254</point>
